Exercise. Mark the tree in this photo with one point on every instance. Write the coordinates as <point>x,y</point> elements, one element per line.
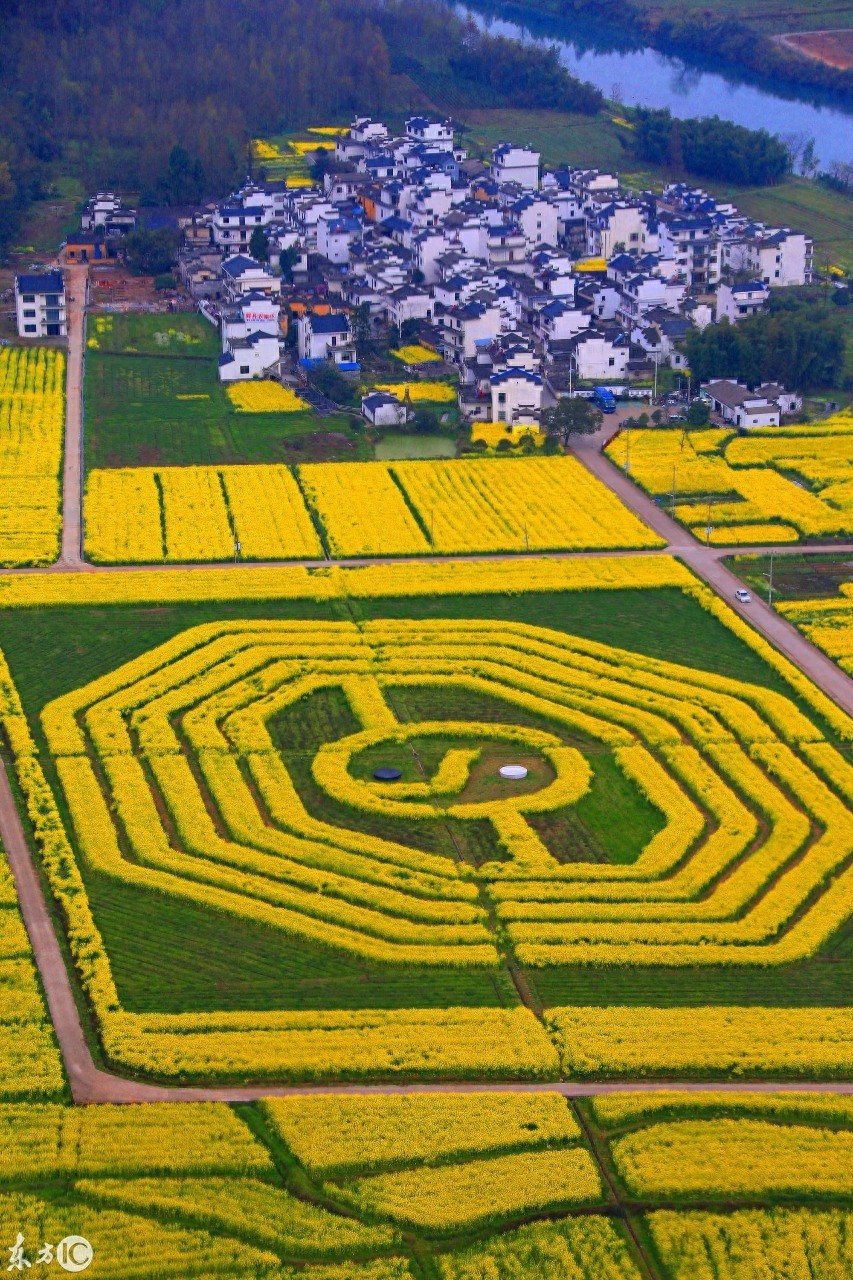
<point>151,253</point>
<point>183,181</point>
<point>569,417</point>
<point>259,245</point>
<point>286,262</point>
<point>361,332</point>
<point>320,164</point>
<point>698,414</point>
<point>425,419</point>
<point>675,150</point>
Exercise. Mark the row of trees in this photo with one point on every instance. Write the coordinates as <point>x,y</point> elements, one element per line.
<point>710,147</point>
<point>525,75</point>
<point>801,346</point>
<point>113,89</point>
<point>705,35</point>
<point>162,96</point>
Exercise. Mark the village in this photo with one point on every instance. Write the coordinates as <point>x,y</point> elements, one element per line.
<point>522,284</point>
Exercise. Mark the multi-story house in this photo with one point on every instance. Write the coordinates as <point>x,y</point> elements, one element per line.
<point>739,301</point>
<point>40,305</point>
<point>516,164</point>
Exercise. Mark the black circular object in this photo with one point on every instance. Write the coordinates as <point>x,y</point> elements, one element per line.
<point>387,775</point>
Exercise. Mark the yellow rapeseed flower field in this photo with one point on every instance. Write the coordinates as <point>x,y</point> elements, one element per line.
<point>32,419</point>
<point>770,485</point>
<point>458,1197</point>
<point>698,1159</point>
<point>770,1244</point>
<point>362,510</point>
<point>335,1137</point>
<point>264,397</point>
<point>143,515</point>
<point>529,504</point>
<point>416,353</point>
<point>441,392</point>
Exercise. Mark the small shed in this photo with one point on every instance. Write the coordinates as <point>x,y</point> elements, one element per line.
<point>382,409</point>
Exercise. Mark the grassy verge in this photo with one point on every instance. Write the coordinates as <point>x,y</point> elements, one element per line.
<point>795,577</point>
<point>174,956</point>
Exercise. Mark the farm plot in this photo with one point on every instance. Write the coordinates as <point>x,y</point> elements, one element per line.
<point>31,1064</point>
<point>451,507</point>
<point>827,623</point>
<point>151,395</point>
<point>214,766</point>
<point>196,514</point>
<point>776,485</point>
<point>32,419</point>
<point>474,1187</point>
<point>363,509</point>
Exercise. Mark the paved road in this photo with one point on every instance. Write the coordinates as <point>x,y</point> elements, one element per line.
<point>72,495</point>
<point>706,562</point>
<point>88,1083</point>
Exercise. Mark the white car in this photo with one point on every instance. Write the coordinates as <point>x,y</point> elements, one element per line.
<point>743,596</point>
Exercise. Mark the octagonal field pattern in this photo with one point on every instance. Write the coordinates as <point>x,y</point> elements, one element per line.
<point>174,778</point>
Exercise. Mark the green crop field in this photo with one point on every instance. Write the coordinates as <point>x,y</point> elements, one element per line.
<point>241,902</point>
<point>795,577</point>
<point>178,957</point>
<point>152,396</point>
<point>560,136</point>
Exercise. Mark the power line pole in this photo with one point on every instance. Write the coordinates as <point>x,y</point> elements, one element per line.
<point>769,579</point>
<point>672,496</point>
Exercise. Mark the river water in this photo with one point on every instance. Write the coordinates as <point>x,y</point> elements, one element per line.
<point>645,77</point>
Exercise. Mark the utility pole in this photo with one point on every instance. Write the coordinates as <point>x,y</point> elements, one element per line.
<point>627,451</point>
<point>769,579</point>
<point>708,527</point>
<point>672,496</point>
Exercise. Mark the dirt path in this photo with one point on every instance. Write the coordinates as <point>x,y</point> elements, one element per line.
<point>72,479</point>
<point>90,1084</point>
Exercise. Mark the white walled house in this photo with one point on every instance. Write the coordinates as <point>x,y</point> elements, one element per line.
<point>249,357</point>
<point>618,222</point>
<point>537,219</point>
<point>325,337</point>
<point>559,320</point>
<point>40,305</point>
<point>516,396</point>
<point>427,248</point>
<point>336,234</point>
<point>254,313</point>
<point>786,258</point>
<point>738,301</point>
<point>422,129</point>
<point>466,327</point>
<point>738,405</point>
<point>600,358</point>
<point>243,274</point>
<point>516,164</point>
<point>407,303</point>
<point>382,409</point>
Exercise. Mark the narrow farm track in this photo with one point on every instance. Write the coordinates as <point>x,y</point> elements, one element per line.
<point>72,477</point>
<point>89,1083</point>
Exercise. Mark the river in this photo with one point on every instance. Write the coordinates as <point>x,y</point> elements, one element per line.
<point>644,77</point>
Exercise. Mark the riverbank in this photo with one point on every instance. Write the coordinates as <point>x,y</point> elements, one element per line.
<point>738,33</point>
